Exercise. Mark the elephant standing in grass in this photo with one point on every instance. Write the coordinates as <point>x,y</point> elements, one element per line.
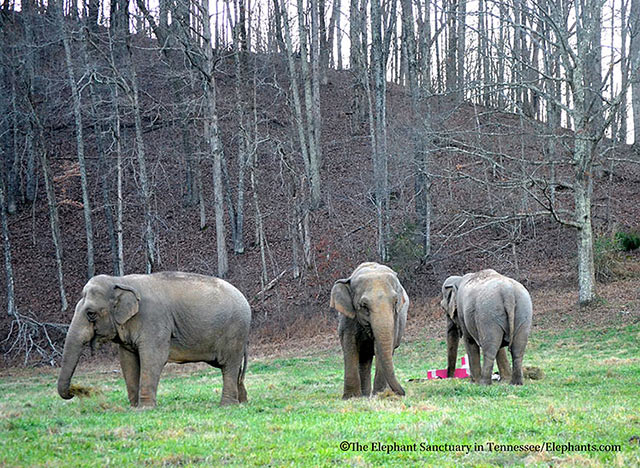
<point>490,311</point>
<point>160,318</point>
<point>373,307</point>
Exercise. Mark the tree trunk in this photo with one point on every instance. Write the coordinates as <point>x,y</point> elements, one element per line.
<point>380,157</point>
<point>215,145</point>
<point>119,204</point>
<point>77,113</point>
<point>583,189</point>
<point>53,213</point>
<point>312,100</point>
<point>634,58</point>
<point>8,268</point>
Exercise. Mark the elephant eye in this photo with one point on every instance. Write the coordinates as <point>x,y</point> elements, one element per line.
<point>92,315</point>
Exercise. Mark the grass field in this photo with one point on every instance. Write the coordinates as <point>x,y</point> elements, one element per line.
<point>295,416</point>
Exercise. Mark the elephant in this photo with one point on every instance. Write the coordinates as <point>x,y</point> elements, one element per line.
<point>373,307</point>
<point>159,318</point>
<point>490,311</point>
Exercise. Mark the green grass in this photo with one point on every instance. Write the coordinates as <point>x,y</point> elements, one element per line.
<point>295,416</point>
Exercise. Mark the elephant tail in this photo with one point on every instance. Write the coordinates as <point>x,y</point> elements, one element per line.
<point>243,369</point>
<point>510,307</point>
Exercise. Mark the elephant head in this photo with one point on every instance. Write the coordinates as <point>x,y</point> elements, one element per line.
<point>449,295</point>
<point>449,304</point>
<point>374,297</point>
<point>104,307</point>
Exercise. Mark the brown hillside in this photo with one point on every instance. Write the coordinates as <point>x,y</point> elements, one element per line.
<point>472,200</point>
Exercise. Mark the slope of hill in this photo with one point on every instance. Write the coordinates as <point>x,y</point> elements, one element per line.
<point>476,155</point>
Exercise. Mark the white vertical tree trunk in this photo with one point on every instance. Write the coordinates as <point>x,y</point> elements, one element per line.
<point>379,143</point>
<point>634,58</point>
<point>215,145</point>
<point>8,267</point>
<point>77,114</point>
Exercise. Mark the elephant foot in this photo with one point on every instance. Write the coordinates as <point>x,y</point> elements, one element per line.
<point>146,403</point>
<point>229,402</point>
<point>516,381</point>
<point>242,395</point>
<point>349,395</point>
<point>146,407</point>
<point>485,381</point>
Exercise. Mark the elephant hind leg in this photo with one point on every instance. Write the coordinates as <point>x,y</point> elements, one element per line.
<point>473,351</point>
<point>488,358</point>
<point>242,393</point>
<point>230,389</point>
<point>503,365</point>
<point>517,353</point>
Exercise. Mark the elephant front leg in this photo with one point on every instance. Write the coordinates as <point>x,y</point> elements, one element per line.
<point>453,339</point>
<point>130,364</point>
<point>365,377</point>
<point>379,382</point>
<point>352,385</point>
<point>473,351</point>
<point>152,361</point>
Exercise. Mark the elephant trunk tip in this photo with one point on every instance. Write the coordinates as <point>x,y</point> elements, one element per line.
<point>65,393</point>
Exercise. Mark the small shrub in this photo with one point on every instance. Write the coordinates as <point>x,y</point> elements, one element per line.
<point>607,254</point>
<point>605,258</point>
<point>405,250</point>
<point>628,241</point>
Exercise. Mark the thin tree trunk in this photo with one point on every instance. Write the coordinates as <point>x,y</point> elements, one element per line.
<point>8,268</point>
<point>215,146</point>
<point>53,212</point>
<point>420,151</point>
<point>312,99</point>
<point>634,58</point>
<point>77,113</point>
<point>149,240</point>
<point>119,177</point>
<point>380,157</point>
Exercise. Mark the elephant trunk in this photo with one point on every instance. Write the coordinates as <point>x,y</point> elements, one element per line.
<point>384,332</point>
<point>80,333</point>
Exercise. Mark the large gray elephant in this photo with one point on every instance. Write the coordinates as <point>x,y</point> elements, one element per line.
<point>490,311</point>
<point>159,318</point>
<point>374,306</point>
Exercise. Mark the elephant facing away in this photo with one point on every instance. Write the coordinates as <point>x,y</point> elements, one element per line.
<point>373,307</point>
<point>159,318</point>
<point>490,311</point>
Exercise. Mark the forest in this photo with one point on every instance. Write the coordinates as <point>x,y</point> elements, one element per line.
<point>279,144</point>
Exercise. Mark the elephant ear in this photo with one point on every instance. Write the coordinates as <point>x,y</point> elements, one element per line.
<point>403,297</point>
<point>126,303</point>
<point>450,291</point>
<point>341,298</point>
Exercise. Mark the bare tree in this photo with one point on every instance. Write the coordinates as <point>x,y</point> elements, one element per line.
<point>634,60</point>
<point>54,219</point>
<point>77,114</point>
<point>381,34</point>
<point>6,243</point>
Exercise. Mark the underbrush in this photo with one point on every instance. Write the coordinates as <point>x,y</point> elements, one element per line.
<point>580,412</point>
